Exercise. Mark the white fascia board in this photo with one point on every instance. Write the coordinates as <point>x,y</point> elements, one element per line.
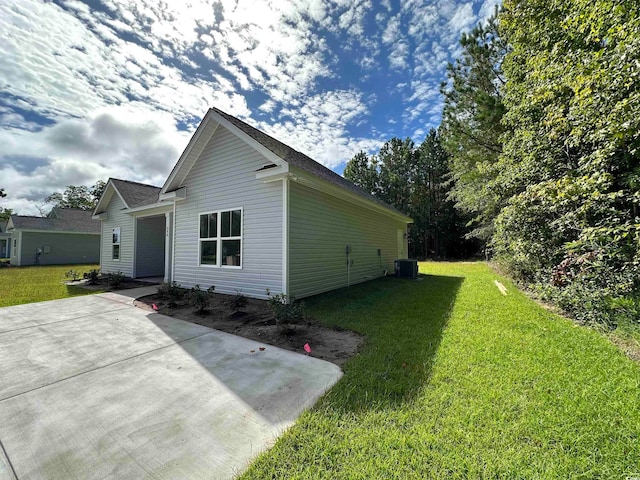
<point>316,183</point>
<point>100,216</point>
<point>151,210</point>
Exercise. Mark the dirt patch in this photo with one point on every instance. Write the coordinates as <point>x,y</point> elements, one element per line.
<point>630,347</point>
<point>102,284</point>
<point>256,322</point>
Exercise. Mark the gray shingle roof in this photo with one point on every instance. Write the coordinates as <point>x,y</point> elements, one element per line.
<point>79,221</point>
<point>300,160</point>
<point>136,194</point>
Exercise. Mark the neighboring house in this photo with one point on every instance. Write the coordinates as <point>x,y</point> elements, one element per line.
<point>246,213</point>
<point>5,241</point>
<point>65,236</point>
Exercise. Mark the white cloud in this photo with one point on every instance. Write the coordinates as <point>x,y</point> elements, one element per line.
<point>120,142</point>
<point>463,18</point>
<point>115,83</point>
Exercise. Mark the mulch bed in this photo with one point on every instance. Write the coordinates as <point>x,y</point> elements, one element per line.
<point>256,322</point>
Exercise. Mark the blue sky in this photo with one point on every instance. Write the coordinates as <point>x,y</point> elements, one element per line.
<point>115,88</point>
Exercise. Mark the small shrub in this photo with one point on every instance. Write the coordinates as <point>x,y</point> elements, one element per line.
<point>116,279</point>
<point>171,292</point>
<point>285,309</point>
<point>73,275</point>
<point>238,302</point>
<point>199,299</point>
<point>92,276</point>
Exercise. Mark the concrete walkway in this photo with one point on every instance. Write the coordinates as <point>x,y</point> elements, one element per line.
<point>92,387</point>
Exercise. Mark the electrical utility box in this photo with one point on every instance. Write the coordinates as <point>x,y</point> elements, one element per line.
<point>406,268</point>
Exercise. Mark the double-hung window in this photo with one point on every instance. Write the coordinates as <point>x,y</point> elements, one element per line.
<point>221,238</point>
<point>115,243</point>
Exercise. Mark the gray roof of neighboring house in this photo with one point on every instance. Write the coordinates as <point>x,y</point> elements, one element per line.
<point>136,194</point>
<point>68,220</point>
<point>300,160</point>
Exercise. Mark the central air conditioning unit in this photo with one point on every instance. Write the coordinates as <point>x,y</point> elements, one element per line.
<point>406,268</point>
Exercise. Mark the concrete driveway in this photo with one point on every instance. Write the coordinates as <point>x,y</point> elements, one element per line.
<point>92,387</point>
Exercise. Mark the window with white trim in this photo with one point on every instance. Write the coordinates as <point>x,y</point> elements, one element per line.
<point>115,243</point>
<point>221,238</point>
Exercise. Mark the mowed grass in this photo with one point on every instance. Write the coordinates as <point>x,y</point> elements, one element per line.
<point>459,381</point>
<point>20,285</point>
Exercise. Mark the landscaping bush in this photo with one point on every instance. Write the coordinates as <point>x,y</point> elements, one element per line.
<point>74,275</point>
<point>286,310</point>
<point>199,298</point>
<point>238,302</point>
<point>116,279</point>
<point>92,276</point>
<point>171,292</point>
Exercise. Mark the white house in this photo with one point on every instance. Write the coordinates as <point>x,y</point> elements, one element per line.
<point>246,213</point>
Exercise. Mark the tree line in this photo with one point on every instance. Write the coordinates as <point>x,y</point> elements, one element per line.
<point>540,130</point>
<point>74,196</point>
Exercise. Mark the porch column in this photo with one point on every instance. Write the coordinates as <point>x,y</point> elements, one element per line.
<point>168,217</point>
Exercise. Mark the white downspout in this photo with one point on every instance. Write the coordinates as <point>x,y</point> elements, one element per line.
<point>285,236</point>
<point>173,244</point>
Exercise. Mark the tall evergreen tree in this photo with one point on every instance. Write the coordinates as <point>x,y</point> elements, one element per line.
<point>363,171</point>
<point>471,127</point>
<point>415,181</point>
<point>397,168</point>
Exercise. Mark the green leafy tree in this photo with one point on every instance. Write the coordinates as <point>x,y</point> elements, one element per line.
<point>82,197</point>
<point>5,213</point>
<point>97,190</point>
<point>471,126</point>
<point>571,166</point>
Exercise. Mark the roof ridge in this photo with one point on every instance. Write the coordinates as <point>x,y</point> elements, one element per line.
<point>287,146</point>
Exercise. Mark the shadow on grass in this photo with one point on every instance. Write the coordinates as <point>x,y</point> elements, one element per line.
<point>403,321</point>
<point>75,291</point>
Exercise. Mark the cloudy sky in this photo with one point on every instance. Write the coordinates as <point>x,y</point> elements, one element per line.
<point>115,88</point>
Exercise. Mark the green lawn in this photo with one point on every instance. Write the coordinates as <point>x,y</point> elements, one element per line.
<point>459,381</point>
<point>35,284</point>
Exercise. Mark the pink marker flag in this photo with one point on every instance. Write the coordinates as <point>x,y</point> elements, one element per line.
<point>307,348</point>
<point>154,306</point>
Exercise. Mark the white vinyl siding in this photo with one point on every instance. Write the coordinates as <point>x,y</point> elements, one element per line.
<point>320,229</point>
<point>117,218</point>
<point>222,179</point>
